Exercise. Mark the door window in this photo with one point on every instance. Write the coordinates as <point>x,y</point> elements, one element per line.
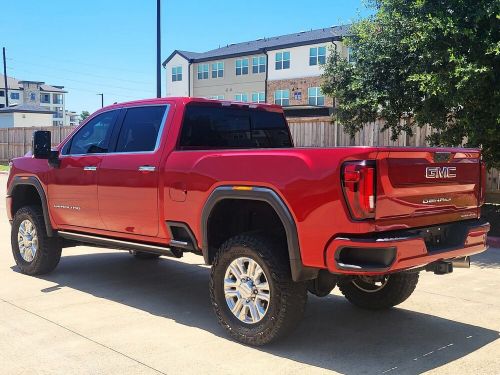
<point>140,129</point>
<point>93,137</point>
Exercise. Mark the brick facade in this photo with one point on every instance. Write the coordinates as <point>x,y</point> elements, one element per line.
<point>298,88</point>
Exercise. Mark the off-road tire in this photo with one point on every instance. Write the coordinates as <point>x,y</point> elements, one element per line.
<point>398,288</point>
<point>49,249</point>
<point>288,298</point>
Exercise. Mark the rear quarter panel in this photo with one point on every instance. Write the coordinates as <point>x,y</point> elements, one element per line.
<point>307,180</point>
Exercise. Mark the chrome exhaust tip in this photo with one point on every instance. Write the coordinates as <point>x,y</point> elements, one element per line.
<point>463,262</point>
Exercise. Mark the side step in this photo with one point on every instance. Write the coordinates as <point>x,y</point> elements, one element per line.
<point>120,244</point>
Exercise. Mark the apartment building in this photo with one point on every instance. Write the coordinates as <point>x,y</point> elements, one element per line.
<point>35,94</point>
<point>284,70</point>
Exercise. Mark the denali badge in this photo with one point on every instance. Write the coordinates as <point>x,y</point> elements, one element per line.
<point>440,172</point>
<point>436,200</point>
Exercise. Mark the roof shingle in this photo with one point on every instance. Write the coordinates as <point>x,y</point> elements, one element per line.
<point>260,45</point>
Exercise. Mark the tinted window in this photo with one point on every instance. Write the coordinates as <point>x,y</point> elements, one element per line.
<point>269,129</point>
<point>94,136</point>
<point>140,129</point>
<point>206,127</point>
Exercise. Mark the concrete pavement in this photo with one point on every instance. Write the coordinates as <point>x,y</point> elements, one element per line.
<point>104,312</point>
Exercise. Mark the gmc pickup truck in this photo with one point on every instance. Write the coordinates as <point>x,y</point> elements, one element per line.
<point>167,176</point>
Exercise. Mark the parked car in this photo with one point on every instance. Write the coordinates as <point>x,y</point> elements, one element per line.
<point>223,180</point>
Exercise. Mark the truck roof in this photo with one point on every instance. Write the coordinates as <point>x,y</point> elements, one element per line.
<point>186,100</point>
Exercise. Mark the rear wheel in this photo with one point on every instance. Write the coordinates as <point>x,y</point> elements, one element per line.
<point>34,252</point>
<point>379,292</point>
<point>252,291</point>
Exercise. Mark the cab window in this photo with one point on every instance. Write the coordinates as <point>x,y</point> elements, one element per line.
<point>140,129</point>
<point>94,137</point>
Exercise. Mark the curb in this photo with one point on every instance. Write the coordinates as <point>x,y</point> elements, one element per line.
<point>493,241</point>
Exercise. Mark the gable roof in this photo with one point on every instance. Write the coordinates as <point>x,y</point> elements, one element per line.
<point>265,44</point>
<point>26,108</point>
<point>15,84</point>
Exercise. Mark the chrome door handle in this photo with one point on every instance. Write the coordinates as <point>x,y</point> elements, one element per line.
<point>90,168</point>
<point>147,168</point>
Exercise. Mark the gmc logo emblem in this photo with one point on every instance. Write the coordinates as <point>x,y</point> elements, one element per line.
<point>440,172</point>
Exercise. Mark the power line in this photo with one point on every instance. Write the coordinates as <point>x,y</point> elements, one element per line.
<point>75,71</point>
<point>76,62</point>
<point>78,81</point>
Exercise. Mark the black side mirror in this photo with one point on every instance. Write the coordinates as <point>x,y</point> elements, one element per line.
<point>41,144</point>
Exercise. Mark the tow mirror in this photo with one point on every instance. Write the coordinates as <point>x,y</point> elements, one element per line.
<point>41,144</point>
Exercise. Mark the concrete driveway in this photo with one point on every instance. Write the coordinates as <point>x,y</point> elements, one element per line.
<point>104,312</point>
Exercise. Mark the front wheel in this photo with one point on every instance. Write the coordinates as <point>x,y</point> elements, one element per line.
<point>379,292</point>
<point>252,291</point>
<point>34,252</point>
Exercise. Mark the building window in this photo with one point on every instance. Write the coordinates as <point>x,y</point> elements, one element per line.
<point>282,60</point>
<point>14,95</point>
<point>203,71</point>
<point>316,96</point>
<point>2,93</point>
<point>282,97</point>
<point>259,64</point>
<point>216,97</point>
<point>317,55</point>
<point>57,99</point>
<point>258,97</point>
<point>241,67</point>
<point>218,70</point>
<point>44,98</point>
<point>176,73</point>
<point>241,98</point>
<point>59,112</point>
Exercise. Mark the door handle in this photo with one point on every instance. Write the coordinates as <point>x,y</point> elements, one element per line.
<point>147,168</point>
<point>90,168</point>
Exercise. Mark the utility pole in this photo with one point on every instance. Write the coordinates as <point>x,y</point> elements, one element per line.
<point>158,49</point>
<point>5,79</point>
<point>102,100</point>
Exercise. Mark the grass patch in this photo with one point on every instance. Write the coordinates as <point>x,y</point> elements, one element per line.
<point>4,167</point>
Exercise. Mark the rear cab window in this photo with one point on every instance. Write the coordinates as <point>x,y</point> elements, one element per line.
<point>140,129</point>
<point>214,126</point>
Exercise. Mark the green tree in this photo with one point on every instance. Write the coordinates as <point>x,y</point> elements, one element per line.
<point>424,62</point>
<point>84,115</point>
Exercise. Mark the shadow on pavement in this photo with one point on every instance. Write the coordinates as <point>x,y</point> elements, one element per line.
<point>334,335</point>
<point>489,259</point>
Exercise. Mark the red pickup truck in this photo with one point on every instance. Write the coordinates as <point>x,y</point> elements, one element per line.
<point>223,180</point>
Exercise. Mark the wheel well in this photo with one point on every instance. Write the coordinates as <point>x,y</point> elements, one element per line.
<point>25,195</point>
<point>231,217</point>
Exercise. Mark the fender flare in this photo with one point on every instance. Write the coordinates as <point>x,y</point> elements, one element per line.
<point>33,181</point>
<point>299,271</point>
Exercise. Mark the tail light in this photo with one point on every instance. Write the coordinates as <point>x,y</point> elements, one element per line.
<point>358,184</point>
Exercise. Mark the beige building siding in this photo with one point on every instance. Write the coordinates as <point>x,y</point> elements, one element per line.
<point>231,84</point>
<point>24,120</point>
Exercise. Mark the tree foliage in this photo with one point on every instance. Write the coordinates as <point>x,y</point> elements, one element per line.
<point>420,62</point>
<point>84,115</point>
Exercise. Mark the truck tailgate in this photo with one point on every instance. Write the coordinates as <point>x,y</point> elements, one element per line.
<point>427,186</point>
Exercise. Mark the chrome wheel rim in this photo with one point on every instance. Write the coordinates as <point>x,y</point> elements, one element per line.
<point>247,290</point>
<point>370,284</point>
<point>27,239</point>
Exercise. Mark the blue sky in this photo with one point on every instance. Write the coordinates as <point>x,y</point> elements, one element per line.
<point>109,46</point>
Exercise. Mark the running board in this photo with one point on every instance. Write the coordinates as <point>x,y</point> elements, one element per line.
<point>119,244</point>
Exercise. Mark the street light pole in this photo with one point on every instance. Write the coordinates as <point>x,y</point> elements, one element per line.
<point>102,100</point>
<point>158,49</point>
<point>5,79</point>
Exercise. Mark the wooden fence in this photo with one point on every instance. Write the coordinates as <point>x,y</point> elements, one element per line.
<point>320,132</point>
<point>15,142</point>
<point>310,132</point>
